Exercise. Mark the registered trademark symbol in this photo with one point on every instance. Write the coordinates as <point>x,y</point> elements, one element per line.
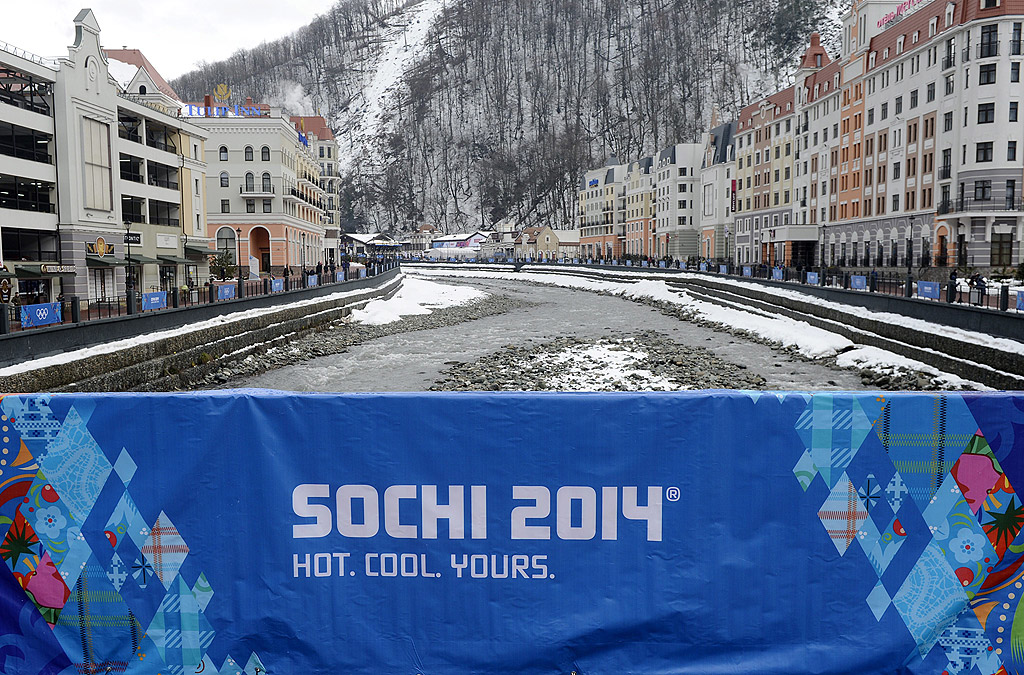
<point>672,494</point>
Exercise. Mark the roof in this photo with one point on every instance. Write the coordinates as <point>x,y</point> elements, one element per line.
<point>782,101</point>
<point>814,50</point>
<point>721,141</point>
<point>138,59</point>
<point>314,124</point>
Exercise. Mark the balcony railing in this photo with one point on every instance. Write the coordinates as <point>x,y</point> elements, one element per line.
<point>256,190</point>
<point>1015,47</point>
<point>945,172</point>
<point>948,61</point>
<point>987,50</point>
<point>966,55</point>
<point>133,177</point>
<point>160,145</point>
<point>964,204</point>
<point>160,220</point>
<point>162,182</point>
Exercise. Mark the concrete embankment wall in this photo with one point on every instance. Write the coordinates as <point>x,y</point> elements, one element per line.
<point>183,357</point>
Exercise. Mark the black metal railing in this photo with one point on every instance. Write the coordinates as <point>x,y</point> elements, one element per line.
<point>948,61</point>
<point>987,50</point>
<point>162,182</point>
<point>160,220</point>
<point>256,189</point>
<point>962,204</point>
<point>945,172</point>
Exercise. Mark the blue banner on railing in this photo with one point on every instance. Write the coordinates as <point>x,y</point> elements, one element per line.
<point>362,272</point>
<point>339,276</point>
<point>629,263</point>
<point>225,291</point>
<point>661,264</point>
<point>812,278</point>
<point>844,541</point>
<point>928,289</point>
<point>723,269</point>
<point>277,285</point>
<point>858,282</point>
<point>777,273</point>
<point>747,271</point>
<point>1020,300</point>
<point>645,263</point>
<point>312,280</point>
<point>42,314</point>
<point>154,301</point>
<point>703,267</point>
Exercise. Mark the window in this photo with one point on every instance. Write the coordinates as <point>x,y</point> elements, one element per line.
<point>225,206</point>
<point>871,116</point>
<point>987,74</point>
<point>265,154</point>
<point>1002,250</point>
<point>267,187</point>
<point>896,202</point>
<point>1011,151</point>
<point>899,104</point>
<point>895,170</point>
<point>1015,72</point>
<point>267,205</point>
<point>986,113</point>
<point>250,182</point>
<point>248,153</point>
<point>983,190</point>
<point>224,179</point>
<point>885,111</point>
<point>984,152</point>
<point>96,160</point>
<point>1011,194</point>
<point>1013,111</point>
<point>947,122</point>
<point>197,187</point>
<point>250,206</point>
<point>913,99</point>
<point>989,41</point>
<point>226,241</point>
<point>223,153</point>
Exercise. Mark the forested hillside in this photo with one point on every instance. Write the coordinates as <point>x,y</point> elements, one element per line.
<point>505,103</point>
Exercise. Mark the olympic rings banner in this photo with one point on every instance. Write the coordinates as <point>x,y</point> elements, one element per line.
<point>42,314</point>
<point>725,532</point>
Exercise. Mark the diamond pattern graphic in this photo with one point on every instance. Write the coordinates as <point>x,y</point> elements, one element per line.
<point>805,471</point>
<point>879,600</point>
<point>870,492</point>
<point>33,419</point>
<point>126,521</point>
<point>125,467</point>
<point>881,547</point>
<point>180,630</point>
<point>833,429</point>
<point>203,592</point>
<point>967,647</point>
<point>895,491</point>
<point>842,514</point>
<point>930,598</point>
<point>165,549</point>
<point>117,573</point>
<point>76,466</point>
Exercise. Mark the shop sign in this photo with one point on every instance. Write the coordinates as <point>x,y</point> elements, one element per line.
<point>58,269</point>
<point>133,238</point>
<point>100,247</point>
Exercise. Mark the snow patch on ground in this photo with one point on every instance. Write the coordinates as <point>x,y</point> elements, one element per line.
<point>811,341</point>
<point>417,296</point>
<point>604,367</point>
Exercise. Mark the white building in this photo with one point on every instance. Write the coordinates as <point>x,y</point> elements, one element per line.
<point>677,200</point>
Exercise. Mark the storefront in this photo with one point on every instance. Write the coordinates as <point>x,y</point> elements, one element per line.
<point>40,282</point>
<point>102,276</point>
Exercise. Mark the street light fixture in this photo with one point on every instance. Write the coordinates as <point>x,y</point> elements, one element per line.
<point>238,257</point>
<point>910,247</point>
<point>129,283</point>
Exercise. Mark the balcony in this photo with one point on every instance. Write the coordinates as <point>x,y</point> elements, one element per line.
<point>948,61</point>
<point>161,144</point>
<point>966,54</point>
<point>945,172</point>
<point>987,50</point>
<point>131,176</point>
<point>161,220</point>
<point>257,190</point>
<point>972,204</point>
<point>1015,47</point>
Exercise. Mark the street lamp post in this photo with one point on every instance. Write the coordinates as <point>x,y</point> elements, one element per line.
<point>129,282</point>
<point>238,260</point>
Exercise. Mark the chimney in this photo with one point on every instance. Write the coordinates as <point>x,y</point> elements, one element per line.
<point>207,102</point>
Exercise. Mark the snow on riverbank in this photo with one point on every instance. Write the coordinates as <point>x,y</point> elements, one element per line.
<point>417,296</point>
<point>808,340</point>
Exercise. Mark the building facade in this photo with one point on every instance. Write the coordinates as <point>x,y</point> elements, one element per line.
<point>718,193</point>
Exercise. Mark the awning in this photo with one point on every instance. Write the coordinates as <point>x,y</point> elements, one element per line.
<point>143,260</point>
<point>198,247</point>
<point>5,274</point>
<point>34,270</point>
<point>105,261</point>
<point>174,260</point>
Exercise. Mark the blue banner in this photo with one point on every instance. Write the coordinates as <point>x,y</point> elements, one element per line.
<point>629,263</point>
<point>777,273</point>
<point>312,280</point>
<point>225,291</point>
<point>928,289</point>
<point>661,264</point>
<point>235,531</point>
<point>703,267</point>
<point>645,263</point>
<point>277,285</point>
<point>747,271</point>
<point>39,315</point>
<point>154,301</point>
<point>1020,300</point>
<point>812,278</point>
<point>723,269</point>
<point>362,272</point>
<point>858,282</point>
<point>339,276</point>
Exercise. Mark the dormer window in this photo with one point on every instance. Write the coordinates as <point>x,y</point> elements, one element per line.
<point>917,36</point>
<point>885,54</point>
<point>142,89</point>
<point>949,13</point>
<point>899,44</point>
<point>933,27</point>
<point>871,59</point>
<point>817,60</point>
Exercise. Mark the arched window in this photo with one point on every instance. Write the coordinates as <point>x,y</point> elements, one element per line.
<point>224,179</point>
<point>248,153</point>
<point>226,241</point>
<point>142,89</point>
<point>265,154</point>
<point>266,182</point>
<point>250,182</point>
<point>223,153</point>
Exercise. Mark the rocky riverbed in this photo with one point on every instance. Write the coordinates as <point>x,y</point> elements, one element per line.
<point>537,337</point>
